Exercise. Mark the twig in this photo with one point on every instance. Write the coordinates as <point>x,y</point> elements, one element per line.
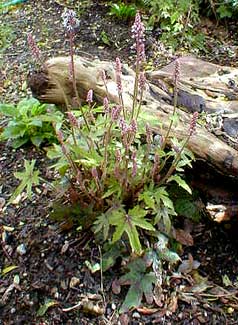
<point>79,305</point>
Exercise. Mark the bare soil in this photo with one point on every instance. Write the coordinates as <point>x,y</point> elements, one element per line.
<point>49,257</point>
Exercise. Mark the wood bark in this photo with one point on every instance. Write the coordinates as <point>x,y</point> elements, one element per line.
<point>202,87</point>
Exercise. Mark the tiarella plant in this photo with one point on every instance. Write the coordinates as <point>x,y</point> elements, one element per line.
<point>115,172</point>
<point>114,166</point>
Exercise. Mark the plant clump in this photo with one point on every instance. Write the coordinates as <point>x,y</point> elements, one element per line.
<point>114,173</point>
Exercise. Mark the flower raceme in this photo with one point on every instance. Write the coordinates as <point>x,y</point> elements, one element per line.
<point>70,22</point>
<point>138,30</point>
<point>35,51</point>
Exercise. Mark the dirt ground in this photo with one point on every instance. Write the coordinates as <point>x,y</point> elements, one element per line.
<point>50,276</point>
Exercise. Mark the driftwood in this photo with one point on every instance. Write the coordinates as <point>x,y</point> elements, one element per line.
<point>203,87</point>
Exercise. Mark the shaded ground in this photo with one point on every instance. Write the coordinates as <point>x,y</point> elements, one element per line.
<point>50,259</point>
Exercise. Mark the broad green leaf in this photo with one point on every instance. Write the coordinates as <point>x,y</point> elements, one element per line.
<point>180,182</point>
<point>186,208</point>
<point>170,256</point>
<point>140,283</point>
<point>35,122</point>
<point>111,254</point>
<point>133,297</point>
<point>37,140</point>
<point>14,130</point>
<point>147,286</point>
<point>137,212</point>
<point>133,238</point>
<point>28,178</point>
<point>55,117</point>
<point>17,143</point>
<point>118,232</point>
<point>162,242</point>
<point>226,281</point>
<point>25,105</point>
<point>161,195</point>
<point>148,198</point>
<point>8,110</point>
<point>142,223</point>
<point>54,152</point>
<point>8,269</point>
<point>111,190</point>
<point>89,162</point>
<point>117,216</point>
<point>102,224</point>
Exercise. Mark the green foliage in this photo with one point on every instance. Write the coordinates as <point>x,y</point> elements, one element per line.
<point>226,9</point>
<point>141,282</point>
<point>30,121</point>
<point>142,272</point>
<point>177,20</point>
<point>123,11</point>
<point>127,222</point>
<point>28,178</point>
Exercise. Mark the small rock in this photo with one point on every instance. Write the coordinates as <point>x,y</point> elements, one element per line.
<point>74,282</point>
<point>64,247</point>
<point>8,249</point>
<point>136,315</point>
<point>57,295</point>
<point>21,249</point>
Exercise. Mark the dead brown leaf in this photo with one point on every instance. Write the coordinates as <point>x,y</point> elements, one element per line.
<point>184,237</point>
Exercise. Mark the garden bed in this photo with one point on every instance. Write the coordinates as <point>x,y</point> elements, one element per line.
<point>50,276</point>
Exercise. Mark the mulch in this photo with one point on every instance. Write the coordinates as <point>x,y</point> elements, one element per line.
<point>50,259</point>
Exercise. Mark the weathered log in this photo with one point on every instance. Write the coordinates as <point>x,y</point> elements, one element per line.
<point>211,88</point>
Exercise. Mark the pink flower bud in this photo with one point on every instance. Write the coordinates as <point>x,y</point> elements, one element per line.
<point>90,96</point>
<point>94,173</point>
<point>106,105</point>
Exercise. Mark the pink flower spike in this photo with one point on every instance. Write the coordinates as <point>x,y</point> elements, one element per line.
<point>90,96</point>
<point>115,112</point>
<point>33,47</point>
<point>193,123</point>
<point>138,34</point>
<point>177,70</point>
<point>133,126</point>
<point>70,22</point>
<point>106,105</point>
<point>142,81</point>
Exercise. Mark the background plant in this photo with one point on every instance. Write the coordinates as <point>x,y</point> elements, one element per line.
<point>220,9</point>
<point>177,20</point>
<point>30,121</point>
<point>123,11</point>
